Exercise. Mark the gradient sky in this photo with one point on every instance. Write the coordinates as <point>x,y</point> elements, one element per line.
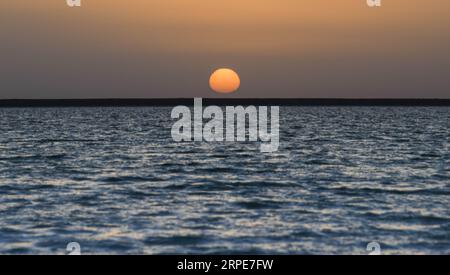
<point>169,48</point>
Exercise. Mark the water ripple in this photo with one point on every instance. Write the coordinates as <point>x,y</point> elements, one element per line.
<point>112,180</point>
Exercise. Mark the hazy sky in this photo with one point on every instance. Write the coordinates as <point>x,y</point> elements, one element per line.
<point>169,48</point>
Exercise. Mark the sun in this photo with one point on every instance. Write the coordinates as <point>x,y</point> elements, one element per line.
<point>224,81</point>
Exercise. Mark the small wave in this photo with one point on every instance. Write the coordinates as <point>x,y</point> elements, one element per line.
<point>365,190</point>
<point>217,170</point>
<point>129,179</point>
<point>260,204</point>
<point>175,240</point>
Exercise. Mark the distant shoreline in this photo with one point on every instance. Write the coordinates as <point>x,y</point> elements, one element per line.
<point>135,102</point>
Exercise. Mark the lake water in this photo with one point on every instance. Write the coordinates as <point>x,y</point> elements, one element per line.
<point>113,180</point>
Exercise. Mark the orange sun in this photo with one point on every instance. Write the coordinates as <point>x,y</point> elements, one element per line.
<point>224,81</point>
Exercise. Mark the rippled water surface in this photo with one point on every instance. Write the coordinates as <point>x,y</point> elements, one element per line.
<point>113,180</point>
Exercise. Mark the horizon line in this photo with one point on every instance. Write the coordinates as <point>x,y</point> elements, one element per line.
<point>142,102</point>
